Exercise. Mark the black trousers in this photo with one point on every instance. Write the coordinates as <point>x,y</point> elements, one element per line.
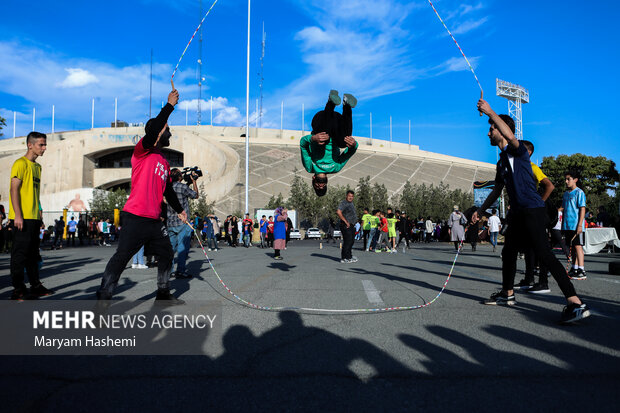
<point>403,235</point>
<point>527,228</point>
<point>71,237</point>
<point>336,125</point>
<point>25,254</point>
<point>365,234</point>
<point>138,231</point>
<point>348,235</point>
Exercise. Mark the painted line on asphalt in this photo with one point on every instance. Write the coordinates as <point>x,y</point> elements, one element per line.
<point>607,279</point>
<point>374,295</point>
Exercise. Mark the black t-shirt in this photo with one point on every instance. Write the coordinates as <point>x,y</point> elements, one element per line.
<point>518,178</point>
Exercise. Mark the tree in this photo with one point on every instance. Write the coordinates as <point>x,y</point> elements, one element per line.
<point>363,196</point>
<point>436,202</point>
<point>200,205</point>
<point>598,175</point>
<point>275,202</point>
<point>104,202</point>
<point>2,125</point>
<point>379,197</point>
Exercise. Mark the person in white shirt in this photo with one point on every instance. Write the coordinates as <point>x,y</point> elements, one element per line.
<point>494,226</point>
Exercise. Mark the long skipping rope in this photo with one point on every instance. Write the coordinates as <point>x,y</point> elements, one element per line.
<point>190,42</point>
<point>324,310</point>
<point>460,50</point>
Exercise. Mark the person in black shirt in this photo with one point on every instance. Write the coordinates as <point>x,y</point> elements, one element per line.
<point>527,219</point>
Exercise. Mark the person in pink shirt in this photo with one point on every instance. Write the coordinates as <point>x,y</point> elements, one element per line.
<point>140,218</point>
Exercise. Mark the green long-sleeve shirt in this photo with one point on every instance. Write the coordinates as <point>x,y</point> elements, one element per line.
<point>326,158</point>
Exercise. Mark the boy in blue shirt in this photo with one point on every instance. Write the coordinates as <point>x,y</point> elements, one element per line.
<point>573,223</point>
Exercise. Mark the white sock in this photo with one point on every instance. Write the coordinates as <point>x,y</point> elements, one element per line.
<point>575,266</point>
<point>582,267</point>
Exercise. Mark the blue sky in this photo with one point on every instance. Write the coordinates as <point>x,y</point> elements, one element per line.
<point>395,56</point>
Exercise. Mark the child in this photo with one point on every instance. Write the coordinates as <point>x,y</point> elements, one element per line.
<point>331,131</point>
<point>573,228</point>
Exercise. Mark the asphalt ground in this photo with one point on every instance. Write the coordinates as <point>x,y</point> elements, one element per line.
<point>452,355</point>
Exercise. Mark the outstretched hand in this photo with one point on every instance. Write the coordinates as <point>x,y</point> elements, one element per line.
<point>350,142</point>
<point>173,97</point>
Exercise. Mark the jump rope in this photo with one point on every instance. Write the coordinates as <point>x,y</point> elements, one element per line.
<point>322,310</point>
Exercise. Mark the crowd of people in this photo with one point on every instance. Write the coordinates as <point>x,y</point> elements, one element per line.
<point>152,227</point>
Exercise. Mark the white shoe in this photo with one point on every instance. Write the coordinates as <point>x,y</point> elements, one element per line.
<point>134,265</point>
<point>209,249</point>
<point>142,267</point>
<point>353,259</point>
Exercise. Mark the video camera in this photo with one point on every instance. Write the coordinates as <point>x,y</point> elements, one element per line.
<point>190,171</point>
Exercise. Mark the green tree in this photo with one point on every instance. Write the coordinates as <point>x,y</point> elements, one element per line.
<point>201,205</point>
<point>2,125</point>
<point>363,196</point>
<point>104,202</point>
<point>598,175</point>
<point>379,196</point>
<point>275,202</point>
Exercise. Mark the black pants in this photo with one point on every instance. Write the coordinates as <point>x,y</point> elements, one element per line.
<point>138,231</point>
<point>557,238</point>
<point>348,235</point>
<point>25,254</point>
<point>336,125</point>
<point>527,227</point>
<point>401,236</point>
<point>365,234</point>
<point>71,237</point>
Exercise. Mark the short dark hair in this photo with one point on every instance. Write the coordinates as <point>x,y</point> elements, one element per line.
<point>263,216</point>
<point>494,211</point>
<point>350,192</point>
<point>507,120</point>
<point>528,145</point>
<point>33,136</point>
<point>573,173</point>
<point>175,174</point>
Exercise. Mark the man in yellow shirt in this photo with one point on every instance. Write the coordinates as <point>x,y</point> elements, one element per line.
<point>25,215</point>
<point>366,226</point>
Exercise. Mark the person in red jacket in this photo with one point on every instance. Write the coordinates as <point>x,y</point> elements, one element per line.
<point>150,183</point>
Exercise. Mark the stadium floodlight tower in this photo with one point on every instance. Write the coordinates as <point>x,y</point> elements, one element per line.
<point>516,95</point>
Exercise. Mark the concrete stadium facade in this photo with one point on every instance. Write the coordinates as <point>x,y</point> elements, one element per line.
<point>76,162</point>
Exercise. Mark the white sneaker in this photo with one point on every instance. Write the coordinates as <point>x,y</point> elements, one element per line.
<point>134,265</point>
<point>353,259</point>
<point>209,249</point>
<point>142,267</point>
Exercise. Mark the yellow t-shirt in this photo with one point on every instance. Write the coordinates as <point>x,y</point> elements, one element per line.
<point>374,221</point>
<point>30,174</point>
<point>538,174</point>
<point>366,221</point>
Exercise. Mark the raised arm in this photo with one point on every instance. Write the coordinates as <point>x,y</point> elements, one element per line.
<point>484,107</point>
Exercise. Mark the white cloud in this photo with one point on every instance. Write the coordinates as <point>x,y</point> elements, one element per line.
<point>457,64</point>
<point>469,25</point>
<point>77,78</point>
<point>223,113</point>
<point>42,79</point>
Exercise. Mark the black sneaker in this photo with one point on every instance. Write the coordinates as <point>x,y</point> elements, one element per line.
<point>19,295</point>
<point>165,298</point>
<point>182,275</point>
<point>40,291</point>
<point>500,298</point>
<point>571,272</point>
<point>524,285</point>
<point>574,312</point>
<point>539,289</point>
<point>578,275</point>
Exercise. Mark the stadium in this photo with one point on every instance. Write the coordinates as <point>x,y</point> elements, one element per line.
<point>77,162</point>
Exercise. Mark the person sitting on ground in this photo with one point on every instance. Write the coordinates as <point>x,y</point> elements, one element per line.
<point>331,131</point>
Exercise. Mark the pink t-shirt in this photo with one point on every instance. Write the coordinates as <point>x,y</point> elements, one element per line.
<point>150,173</point>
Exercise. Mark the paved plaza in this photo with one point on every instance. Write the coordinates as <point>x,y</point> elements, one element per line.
<point>454,355</point>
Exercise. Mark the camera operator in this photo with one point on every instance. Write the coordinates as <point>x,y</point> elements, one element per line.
<point>180,233</point>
